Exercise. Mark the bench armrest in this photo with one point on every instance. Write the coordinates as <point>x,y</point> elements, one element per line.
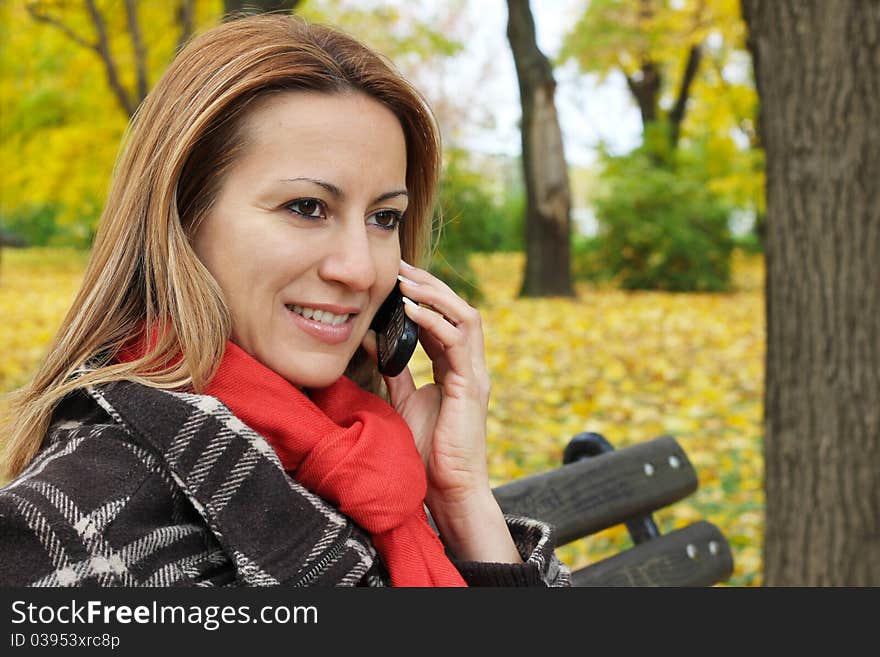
<point>696,555</point>
<point>593,494</point>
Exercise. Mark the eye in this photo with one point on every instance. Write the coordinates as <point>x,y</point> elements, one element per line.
<point>307,207</point>
<point>387,219</point>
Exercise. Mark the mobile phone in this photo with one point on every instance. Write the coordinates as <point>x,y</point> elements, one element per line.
<point>397,334</point>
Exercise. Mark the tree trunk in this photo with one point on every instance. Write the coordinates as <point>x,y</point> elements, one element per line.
<point>646,92</point>
<point>816,67</point>
<point>548,200</point>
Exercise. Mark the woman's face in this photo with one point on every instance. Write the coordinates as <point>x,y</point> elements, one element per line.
<point>303,235</point>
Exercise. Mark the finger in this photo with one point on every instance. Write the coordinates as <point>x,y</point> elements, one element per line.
<point>430,290</point>
<point>452,339</point>
<point>424,287</point>
<point>432,346</point>
<point>454,310</point>
<point>472,327</point>
<point>437,353</point>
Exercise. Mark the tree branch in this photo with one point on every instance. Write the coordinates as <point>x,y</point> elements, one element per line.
<point>137,44</point>
<point>33,8</point>
<point>103,49</point>
<point>185,17</point>
<point>676,116</point>
<point>631,83</point>
<point>700,20</point>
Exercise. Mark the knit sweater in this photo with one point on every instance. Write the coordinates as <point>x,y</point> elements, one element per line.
<point>137,486</point>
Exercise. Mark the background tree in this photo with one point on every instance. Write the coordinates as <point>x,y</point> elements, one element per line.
<point>65,20</point>
<point>658,46</point>
<point>74,72</point>
<point>816,66</point>
<point>63,118</point>
<point>419,42</point>
<point>548,199</point>
<point>666,210</point>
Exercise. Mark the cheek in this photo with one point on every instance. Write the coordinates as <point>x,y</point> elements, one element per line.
<point>241,254</point>
<point>387,263</point>
<point>231,266</point>
<point>218,247</point>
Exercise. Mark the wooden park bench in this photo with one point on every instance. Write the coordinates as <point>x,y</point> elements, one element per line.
<point>598,487</point>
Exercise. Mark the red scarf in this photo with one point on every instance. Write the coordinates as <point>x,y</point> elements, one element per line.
<point>349,447</point>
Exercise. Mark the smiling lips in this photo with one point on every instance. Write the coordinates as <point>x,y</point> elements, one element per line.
<point>323,316</point>
<point>326,326</point>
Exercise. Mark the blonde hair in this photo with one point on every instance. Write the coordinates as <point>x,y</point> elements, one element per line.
<point>181,141</point>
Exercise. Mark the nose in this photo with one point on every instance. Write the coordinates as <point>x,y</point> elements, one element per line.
<point>349,258</point>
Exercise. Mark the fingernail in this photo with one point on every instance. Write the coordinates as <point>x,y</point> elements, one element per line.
<point>409,301</point>
<point>405,264</point>
<point>404,279</point>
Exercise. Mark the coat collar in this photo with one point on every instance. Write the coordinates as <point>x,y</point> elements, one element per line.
<point>232,476</point>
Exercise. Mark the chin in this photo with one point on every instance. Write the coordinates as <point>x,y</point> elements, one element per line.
<point>313,375</point>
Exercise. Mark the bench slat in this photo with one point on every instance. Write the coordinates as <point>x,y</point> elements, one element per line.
<point>696,555</point>
<point>593,494</point>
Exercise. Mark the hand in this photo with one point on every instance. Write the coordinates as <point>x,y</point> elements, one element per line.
<point>447,417</point>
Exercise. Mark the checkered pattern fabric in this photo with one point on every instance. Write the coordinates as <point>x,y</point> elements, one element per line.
<point>137,486</point>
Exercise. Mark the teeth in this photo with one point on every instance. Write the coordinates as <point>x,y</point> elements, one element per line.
<point>322,316</point>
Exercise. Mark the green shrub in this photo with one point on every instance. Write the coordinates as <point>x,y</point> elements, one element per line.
<point>37,225</point>
<point>661,228</point>
<point>586,259</point>
<point>476,219</point>
<point>749,242</point>
<point>34,225</point>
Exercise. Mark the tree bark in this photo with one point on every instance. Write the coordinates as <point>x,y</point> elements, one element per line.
<point>816,67</point>
<point>676,115</point>
<point>646,92</point>
<point>548,199</point>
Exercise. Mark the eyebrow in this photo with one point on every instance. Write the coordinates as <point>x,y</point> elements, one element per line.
<point>339,194</point>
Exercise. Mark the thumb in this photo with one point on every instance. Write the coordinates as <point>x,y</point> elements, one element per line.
<point>400,387</point>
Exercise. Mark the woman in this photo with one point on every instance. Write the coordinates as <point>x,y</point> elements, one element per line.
<point>210,412</point>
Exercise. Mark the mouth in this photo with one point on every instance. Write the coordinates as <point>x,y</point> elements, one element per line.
<point>320,316</point>
<point>323,325</point>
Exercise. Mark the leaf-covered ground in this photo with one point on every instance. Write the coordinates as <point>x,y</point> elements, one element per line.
<point>36,288</point>
<point>631,366</point>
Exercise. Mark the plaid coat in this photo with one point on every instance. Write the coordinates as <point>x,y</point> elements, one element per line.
<point>137,486</point>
